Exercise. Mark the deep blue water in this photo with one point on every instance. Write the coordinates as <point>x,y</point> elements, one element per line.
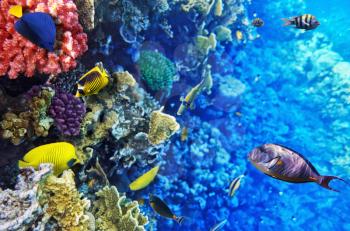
<point>296,93</point>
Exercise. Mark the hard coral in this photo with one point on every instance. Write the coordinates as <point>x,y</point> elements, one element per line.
<point>19,208</point>
<point>63,202</point>
<point>161,127</point>
<point>116,212</point>
<point>15,127</point>
<point>157,70</point>
<point>20,56</point>
<point>67,112</point>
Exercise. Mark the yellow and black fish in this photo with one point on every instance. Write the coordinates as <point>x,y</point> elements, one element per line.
<point>162,209</point>
<point>306,22</point>
<point>234,186</point>
<point>62,155</point>
<point>92,82</point>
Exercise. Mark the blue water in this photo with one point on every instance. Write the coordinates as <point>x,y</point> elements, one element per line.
<point>297,94</point>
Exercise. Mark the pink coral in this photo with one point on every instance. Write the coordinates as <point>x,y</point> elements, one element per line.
<point>19,56</point>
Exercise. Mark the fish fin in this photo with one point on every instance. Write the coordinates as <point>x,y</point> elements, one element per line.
<point>16,11</point>
<point>286,21</point>
<point>179,220</point>
<point>23,164</point>
<point>324,181</point>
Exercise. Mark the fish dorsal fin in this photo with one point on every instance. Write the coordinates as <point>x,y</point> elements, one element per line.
<point>16,11</point>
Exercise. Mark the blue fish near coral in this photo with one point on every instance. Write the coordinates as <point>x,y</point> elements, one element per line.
<point>39,28</point>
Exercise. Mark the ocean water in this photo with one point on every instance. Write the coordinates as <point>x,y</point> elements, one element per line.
<point>278,85</point>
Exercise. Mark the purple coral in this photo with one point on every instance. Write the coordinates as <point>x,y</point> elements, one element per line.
<point>67,112</point>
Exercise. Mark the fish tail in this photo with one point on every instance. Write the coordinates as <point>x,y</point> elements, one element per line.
<point>286,21</point>
<point>23,164</point>
<point>179,220</point>
<point>324,181</point>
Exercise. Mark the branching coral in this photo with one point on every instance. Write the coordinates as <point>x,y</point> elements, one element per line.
<point>157,70</point>
<point>115,212</point>
<point>67,112</point>
<point>19,208</point>
<point>63,202</point>
<point>20,56</point>
<point>162,126</point>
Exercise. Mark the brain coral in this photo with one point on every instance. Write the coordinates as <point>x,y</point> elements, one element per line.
<point>20,56</point>
<point>157,70</point>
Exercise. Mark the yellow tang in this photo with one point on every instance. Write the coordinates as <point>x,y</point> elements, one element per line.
<point>62,155</point>
<point>144,180</point>
<point>92,82</point>
<point>16,11</point>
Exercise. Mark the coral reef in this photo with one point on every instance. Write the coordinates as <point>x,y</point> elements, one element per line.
<point>15,127</point>
<point>157,70</point>
<point>19,208</point>
<point>115,212</point>
<point>63,202</point>
<point>67,112</point>
<point>20,56</point>
<point>161,127</point>
<point>86,11</point>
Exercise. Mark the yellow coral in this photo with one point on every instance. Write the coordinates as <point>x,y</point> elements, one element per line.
<point>202,6</point>
<point>218,8</point>
<point>115,212</point>
<point>223,34</point>
<point>124,80</point>
<point>15,127</point>
<point>205,44</point>
<point>63,202</point>
<point>161,127</point>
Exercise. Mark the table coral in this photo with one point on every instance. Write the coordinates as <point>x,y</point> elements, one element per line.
<point>63,202</point>
<point>19,208</point>
<point>162,126</point>
<point>157,70</point>
<point>67,112</point>
<point>20,56</point>
<point>116,212</point>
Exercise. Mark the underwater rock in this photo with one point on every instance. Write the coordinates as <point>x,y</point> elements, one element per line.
<point>20,208</point>
<point>20,56</point>
<point>62,202</point>
<point>116,212</point>
<point>161,127</point>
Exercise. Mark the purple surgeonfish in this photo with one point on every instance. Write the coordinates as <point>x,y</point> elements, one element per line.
<point>285,164</point>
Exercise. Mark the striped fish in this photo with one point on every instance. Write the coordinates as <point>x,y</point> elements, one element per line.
<point>235,185</point>
<point>306,22</point>
<point>92,82</point>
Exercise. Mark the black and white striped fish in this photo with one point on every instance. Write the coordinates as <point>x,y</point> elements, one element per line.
<point>235,185</point>
<point>306,22</point>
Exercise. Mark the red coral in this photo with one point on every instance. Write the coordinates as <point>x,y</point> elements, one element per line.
<point>19,56</point>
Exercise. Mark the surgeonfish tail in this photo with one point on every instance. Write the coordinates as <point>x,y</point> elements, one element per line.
<point>179,220</point>
<point>324,181</point>
<point>23,164</point>
<point>286,21</point>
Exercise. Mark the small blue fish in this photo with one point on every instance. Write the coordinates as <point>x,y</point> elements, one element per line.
<point>39,28</point>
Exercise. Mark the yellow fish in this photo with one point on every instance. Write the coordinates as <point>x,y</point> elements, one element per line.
<point>62,155</point>
<point>184,134</point>
<point>92,82</point>
<point>16,11</point>
<point>239,35</point>
<point>144,180</point>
